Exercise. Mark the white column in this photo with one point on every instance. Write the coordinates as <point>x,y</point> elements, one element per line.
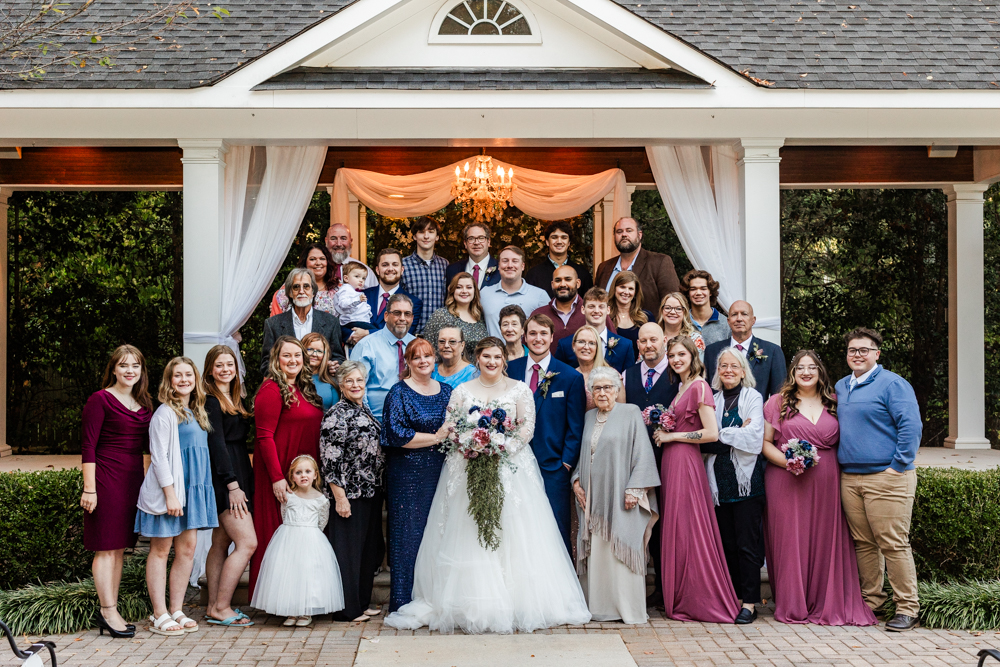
<point>5,449</point>
<point>760,227</point>
<point>966,319</point>
<point>204,190</point>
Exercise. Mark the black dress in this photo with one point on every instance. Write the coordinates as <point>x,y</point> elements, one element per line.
<point>227,446</point>
<point>632,333</point>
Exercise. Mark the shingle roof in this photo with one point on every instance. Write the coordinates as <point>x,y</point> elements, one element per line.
<point>829,44</point>
<point>325,78</point>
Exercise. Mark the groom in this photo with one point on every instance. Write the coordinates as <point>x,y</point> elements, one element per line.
<point>560,405</point>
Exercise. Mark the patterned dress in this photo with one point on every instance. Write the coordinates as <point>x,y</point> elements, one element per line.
<point>411,478</point>
<point>473,332</point>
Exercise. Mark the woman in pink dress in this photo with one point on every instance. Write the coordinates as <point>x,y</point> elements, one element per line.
<point>810,555</point>
<point>696,582</point>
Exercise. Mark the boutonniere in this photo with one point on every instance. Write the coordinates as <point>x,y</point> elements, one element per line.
<point>758,354</point>
<point>490,269</point>
<point>612,343</point>
<point>543,386</point>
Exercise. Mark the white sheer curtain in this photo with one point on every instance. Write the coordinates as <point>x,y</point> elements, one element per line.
<point>258,231</point>
<point>707,220</point>
<point>540,194</point>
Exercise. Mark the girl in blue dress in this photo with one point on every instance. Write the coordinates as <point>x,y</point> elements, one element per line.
<point>176,498</point>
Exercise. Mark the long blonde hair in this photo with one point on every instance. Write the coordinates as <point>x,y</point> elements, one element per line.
<point>599,361</point>
<point>168,396</point>
<point>232,404</point>
<point>635,312</point>
<point>303,380</point>
<point>687,326</point>
<point>324,368</point>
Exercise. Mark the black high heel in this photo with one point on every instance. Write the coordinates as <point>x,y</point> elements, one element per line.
<point>103,625</point>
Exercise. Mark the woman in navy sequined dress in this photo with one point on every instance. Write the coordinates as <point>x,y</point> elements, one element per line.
<point>414,412</point>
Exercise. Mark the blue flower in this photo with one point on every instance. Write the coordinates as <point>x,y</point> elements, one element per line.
<point>474,408</point>
<point>499,428</point>
<point>500,414</point>
<point>789,454</point>
<point>654,415</point>
<point>484,422</point>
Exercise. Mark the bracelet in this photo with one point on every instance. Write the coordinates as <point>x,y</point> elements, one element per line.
<point>90,492</point>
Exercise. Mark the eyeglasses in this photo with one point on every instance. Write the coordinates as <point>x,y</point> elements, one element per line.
<point>805,369</point>
<point>401,313</point>
<point>860,351</point>
<point>312,352</point>
<point>605,389</point>
<point>729,367</point>
<point>301,288</point>
<point>585,343</point>
<point>450,343</point>
<point>673,309</point>
<point>477,239</point>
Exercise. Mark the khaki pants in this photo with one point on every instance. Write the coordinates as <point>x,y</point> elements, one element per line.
<point>878,508</point>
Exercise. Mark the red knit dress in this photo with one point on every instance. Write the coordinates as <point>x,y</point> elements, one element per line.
<point>282,434</point>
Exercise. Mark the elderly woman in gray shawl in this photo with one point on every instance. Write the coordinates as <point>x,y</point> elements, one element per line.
<point>612,483</point>
<point>736,476</point>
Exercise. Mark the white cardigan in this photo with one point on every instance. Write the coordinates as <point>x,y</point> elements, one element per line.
<point>165,463</point>
<point>746,442</point>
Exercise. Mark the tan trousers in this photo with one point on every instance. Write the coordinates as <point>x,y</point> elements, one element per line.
<point>878,508</point>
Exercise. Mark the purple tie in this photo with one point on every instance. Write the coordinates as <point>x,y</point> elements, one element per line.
<point>381,306</point>
<point>739,347</point>
<point>534,378</point>
<point>649,379</point>
<point>402,361</point>
<point>475,274</point>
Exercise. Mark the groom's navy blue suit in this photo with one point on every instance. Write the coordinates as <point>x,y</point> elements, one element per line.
<point>559,419</point>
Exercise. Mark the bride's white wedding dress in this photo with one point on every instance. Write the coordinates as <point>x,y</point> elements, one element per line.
<point>528,583</point>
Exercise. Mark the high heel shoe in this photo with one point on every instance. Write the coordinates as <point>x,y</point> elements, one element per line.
<point>103,625</point>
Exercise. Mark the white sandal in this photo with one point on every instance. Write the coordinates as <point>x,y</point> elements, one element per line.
<point>304,622</point>
<point>166,626</point>
<point>183,620</point>
<point>290,621</point>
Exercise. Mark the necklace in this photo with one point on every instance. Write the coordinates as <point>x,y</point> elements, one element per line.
<point>130,405</point>
<point>598,418</point>
<point>488,386</point>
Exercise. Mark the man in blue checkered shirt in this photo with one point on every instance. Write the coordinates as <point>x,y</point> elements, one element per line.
<point>423,271</point>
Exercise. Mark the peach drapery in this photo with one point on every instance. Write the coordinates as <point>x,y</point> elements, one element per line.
<point>540,194</point>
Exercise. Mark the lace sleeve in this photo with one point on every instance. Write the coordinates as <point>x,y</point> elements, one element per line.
<point>324,513</point>
<point>525,403</point>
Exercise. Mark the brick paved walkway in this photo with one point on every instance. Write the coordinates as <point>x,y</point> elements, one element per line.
<point>660,642</point>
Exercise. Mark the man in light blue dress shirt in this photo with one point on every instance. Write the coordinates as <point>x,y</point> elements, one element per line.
<point>383,351</point>
<point>511,290</point>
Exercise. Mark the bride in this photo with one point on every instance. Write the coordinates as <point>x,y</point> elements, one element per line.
<point>529,582</point>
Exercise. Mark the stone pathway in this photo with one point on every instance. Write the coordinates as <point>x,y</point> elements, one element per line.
<point>660,642</point>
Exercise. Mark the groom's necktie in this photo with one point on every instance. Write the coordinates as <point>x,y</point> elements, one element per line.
<point>649,379</point>
<point>534,377</point>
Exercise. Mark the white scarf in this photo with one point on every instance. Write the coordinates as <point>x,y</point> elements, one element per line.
<point>746,441</point>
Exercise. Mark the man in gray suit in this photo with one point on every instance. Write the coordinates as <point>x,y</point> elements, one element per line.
<point>300,288</point>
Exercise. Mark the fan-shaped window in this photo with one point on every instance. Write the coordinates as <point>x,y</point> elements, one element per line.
<point>485,17</point>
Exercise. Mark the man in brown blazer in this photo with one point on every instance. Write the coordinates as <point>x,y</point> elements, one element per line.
<point>656,273</point>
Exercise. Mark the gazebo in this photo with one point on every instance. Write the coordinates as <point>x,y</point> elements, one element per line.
<point>717,106</point>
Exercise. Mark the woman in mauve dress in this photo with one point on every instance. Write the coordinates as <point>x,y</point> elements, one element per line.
<point>811,561</point>
<point>287,414</point>
<point>115,433</point>
<point>696,583</point>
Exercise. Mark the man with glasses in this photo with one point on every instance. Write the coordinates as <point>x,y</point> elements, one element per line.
<point>880,431</point>
<point>767,360</point>
<point>301,319</point>
<point>382,352</point>
<point>479,265</point>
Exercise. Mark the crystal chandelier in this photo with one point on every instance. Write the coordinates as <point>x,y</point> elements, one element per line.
<point>483,193</point>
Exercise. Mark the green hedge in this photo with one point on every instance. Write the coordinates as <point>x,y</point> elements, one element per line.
<point>41,528</point>
<point>956,524</point>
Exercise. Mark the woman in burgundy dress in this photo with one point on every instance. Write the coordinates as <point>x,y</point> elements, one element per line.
<point>288,412</point>
<point>115,433</point>
<point>696,582</point>
<point>810,555</point>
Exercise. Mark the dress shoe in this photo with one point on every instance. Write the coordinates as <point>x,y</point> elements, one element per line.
<point>103,625</point>
<point>746,616</point>
<point>901,623</point>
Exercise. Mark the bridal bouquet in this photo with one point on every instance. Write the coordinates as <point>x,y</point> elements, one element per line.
<point>482,435</point>
<point>663,418</point>
<point>800,456</point>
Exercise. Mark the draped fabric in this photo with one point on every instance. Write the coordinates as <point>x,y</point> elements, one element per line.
<point>540,194</point>
<point>258,230</point>
<point>706,218</point>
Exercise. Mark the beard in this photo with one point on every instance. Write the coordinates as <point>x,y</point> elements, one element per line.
<point>391,281</point>
<point>626,245</point>
<point>565,297</point>
<point>340,257</point>
<point>302,301</point>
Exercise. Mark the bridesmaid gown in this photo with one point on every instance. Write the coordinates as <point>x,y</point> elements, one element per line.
<point>810,554</point>
<point>696,582</point>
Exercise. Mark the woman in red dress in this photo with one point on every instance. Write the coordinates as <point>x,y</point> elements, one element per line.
<point>696,582</point>
<point>288,414</point>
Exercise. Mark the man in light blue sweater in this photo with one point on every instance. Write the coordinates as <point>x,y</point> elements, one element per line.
<point>880,429</point>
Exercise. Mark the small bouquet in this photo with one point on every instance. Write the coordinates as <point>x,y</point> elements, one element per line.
<point>662,418</point>
<point>800,456</point>
<point>482,435</point>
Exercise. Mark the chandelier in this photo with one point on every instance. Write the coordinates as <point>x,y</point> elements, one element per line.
<point>483,193</point>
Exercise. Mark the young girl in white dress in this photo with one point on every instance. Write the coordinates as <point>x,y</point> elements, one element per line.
<point>299,576</point>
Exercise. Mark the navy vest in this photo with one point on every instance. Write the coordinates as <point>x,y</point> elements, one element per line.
<point>663,391</point>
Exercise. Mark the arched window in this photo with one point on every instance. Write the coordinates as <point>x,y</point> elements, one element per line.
<point>486,18</point>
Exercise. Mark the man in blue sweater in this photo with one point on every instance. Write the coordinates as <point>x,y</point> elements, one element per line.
<point>880,430</point>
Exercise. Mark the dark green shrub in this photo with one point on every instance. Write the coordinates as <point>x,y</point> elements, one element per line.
<point>41,528</point>
<point>956,524</point>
